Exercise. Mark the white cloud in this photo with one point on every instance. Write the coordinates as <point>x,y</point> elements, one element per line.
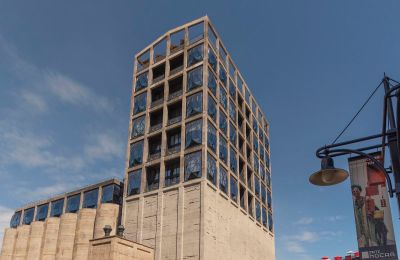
<point>294,247</point>
<point>5,217</point>
<point>306,236</point>
<point>335,218</point>
<point>34,101</point>
<point>304,221</point>
<point>104,146</point>
<point>43,192</point>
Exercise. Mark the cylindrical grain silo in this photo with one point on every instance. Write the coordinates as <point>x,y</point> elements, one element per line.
<point>9,238</point>
<point>21,243</point>
<point>107,214</point>
<point>35,240</point>
<point>66,236</point>
<point>84,232</point>
<point>50,238</point>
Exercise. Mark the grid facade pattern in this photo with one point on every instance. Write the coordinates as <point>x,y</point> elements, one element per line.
<point>194,118</point>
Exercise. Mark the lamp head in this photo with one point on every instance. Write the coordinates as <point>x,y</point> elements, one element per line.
<point>328,175</point>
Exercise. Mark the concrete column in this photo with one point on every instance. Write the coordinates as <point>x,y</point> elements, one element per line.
<point>107,214</point>
<point>22,241</point>
<point>35,240</point>
<point>10,236</point>
<point>50,237</point>
<point>66,236</point>
<point>84,233</point>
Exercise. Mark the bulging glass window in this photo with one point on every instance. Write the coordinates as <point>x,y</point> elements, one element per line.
<point>136,154</point>
<point>138,127</point>
<point>247,96</point>
<point>262,173</point>
<point>233,160</point>
<point>223,125</point>
<point>234,189</point>
<point>269,199</point>
<point>258,211</point>
<point>16,219</point>
<point>192,166</point>
<point>90,199</point>
<point>256,186</point>
<point>232,90</point>
<point>212,37</point>
<point>212,109</point>
<point>211,169</point>
<point>141,81</point>
<point>212,59</point>
<point>261,135</point>
<point>222,75</point>
<point>195,55</point>
<point>212,82</point>
<point>268,178</point>
<point>256,164</point>
<point>223,150</point>
<point>266,143</point>
<point>193,133</point>
<point>28,216</point>
<point>264,217</point>
<point>232,111</point>
<point>73,203</point>
<point>263,193</point>
<point>41,212</point>
<point>57,207</point>
<point>194,104</point>
<point>270,222</point>
<point>212,137</point>
<point>159,51</point>
<point>255,144</point>
<point>262,156</point>
<point>134,180</point>
<point>143,61</point>
<point>111,194</point>
<point>139,103</point>
<point>232,134</point>
<point>223,180</point>
<point>152,178</point>
<point>222,98</point>
<point>196,32</point>
<point>195,78</point>
<point>267,160</point>
<point>255,125</point>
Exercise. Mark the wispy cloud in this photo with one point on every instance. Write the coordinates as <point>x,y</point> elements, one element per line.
<point>294,247</point>
<point>104,146</point>
<point>304,221</point>
<point>33,100</point>
<point>335,218</point>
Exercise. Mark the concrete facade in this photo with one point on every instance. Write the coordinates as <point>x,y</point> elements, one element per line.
<point>194,218</point>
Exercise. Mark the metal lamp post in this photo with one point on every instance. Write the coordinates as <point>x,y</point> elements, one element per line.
<point>390,138</point>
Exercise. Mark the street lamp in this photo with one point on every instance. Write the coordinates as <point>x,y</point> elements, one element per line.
<point>390,138</point>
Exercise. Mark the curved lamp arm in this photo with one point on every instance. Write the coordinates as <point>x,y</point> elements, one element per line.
<point>326,152</point>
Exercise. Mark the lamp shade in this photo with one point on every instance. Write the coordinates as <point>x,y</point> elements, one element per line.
<point>328,175</point>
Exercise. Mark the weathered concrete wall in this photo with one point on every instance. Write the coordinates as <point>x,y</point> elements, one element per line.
<point>21,244</point>
<point>229,233</point>
<point>50,238</point>
<point>66,236</point>
<point>35,240</point>
<point>9,239</point>
<point>84,233</point>
<point>107,214</point>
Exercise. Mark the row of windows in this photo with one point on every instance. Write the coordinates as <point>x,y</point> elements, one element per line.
<point>110,194</point>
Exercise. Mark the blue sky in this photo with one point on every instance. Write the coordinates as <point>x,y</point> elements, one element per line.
<point>65,81</point>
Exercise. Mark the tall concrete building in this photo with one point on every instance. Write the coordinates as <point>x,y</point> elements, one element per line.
<point>197,182</point>
<point>197,170</point>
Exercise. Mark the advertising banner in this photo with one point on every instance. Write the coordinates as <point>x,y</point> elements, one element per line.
<point>372,213</point>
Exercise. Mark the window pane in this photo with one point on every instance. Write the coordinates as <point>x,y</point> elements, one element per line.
<point>223,150</point>
<point>222,53</point>
<point>138,127</point>
<point>267,160</point>
<point>233,160</point>
<point>232,69</point>
<point>255,125</point>
<point>212,59</point>
<point>192,166</point>
<point>139,103</point>
<point>194,104</point>
<point>193,133</point>
<point>134,180</point>
<point>256,164</point>
<point>212,109</point>
<point>256,186</point>
<point>232,90</point>
<point>73,203</point>
<point>234,189</point>
<point>240,84</point>
<point>223,180</point>
<point>196,32</point>
<point>141,81</point>
<point>177,41</point>
<point>211,169</point>
<point>262,156</point>
<point>268,178</point>
<point>264,217</point>
<point>223,123</point>
<point>90,199</point>
<point>222,98</point>
<point>212,82</point>
<point>111,194</point>
<point>222,75</point>
<point>172,173</point>
<point>195,78</point>
<point>28,216</point>
<point>255,144</point>
<point>57,208</point>
<point>232,111</point>
<point>42,211</point>
<point>247,96</point>
<point>136,154</point>
<point>195,55</point>
<point>258,211</point>
<point>160,50</point>
<point>262,173</point>
<point>212,37</point>
<point>16,219</point>
<point>143,61</point>
<point>270,222</point>
<point>152,178</point>
<point>232,134</point>
<point>212,137</point>
<point>263,193</point>
<point>269,200</point>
